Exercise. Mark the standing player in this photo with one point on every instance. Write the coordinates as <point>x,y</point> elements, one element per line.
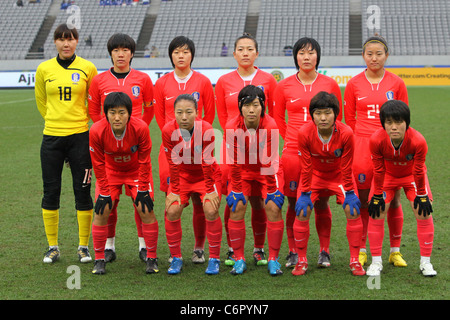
<point>120,149</point>
<point>398,154</point>
<point>294,94</point>
<point>325,148</point>
<point>364,94</point>
<point>252,143</point>
<point>61,90</point>
<point>227,88</point>
<point>167,88</point>
<point>188,145</point>
<point>139,87</point>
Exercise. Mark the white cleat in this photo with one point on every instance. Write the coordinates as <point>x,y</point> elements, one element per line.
<point>374,269</point>
<point>427,269</point>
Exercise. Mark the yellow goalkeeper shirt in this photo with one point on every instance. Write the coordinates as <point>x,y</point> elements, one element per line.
<point>61,95</point>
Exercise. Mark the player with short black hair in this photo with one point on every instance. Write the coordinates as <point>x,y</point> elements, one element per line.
<point>61,90</point>
<point>398,154</point>
<point>120,148</point>
<point>139,87</point>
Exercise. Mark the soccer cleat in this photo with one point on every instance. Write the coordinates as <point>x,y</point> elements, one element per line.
<point>397,260</point>
<point>324,259</point>
<point>362,258</point>
<point>239,267</point>
<point>274,268</point>
<point>292,259</point>
<point>110,255</point>
<point>374,269</point>
<point>175,266</point>
<point>300,268</point>
<point>198,256</point>
<point>143,254</point>
<point>357,269</point>
<point>84,255</point>
<point>230,259</point>
<point>99,267</point>
<point>51,255</point>
<point>427,269</point>
<point>259,257</point>
<point>152,265</point>
<point>213,266</point>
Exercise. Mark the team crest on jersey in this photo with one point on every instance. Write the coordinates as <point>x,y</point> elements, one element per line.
<point>136,91</point>
<point>361,178</point>
<point>134,148</point>
<point>75,77</point>
<point>338,153</point>
<point>409,157</point>
<point>293,185</point>
<point>390,95</point>
<point>196,96</point>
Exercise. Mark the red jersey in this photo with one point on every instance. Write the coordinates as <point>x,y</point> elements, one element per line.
<point>292,95</point>
<point>363,100</point>
<point>192,158</point>
<point>408,159</point>
<point>168,88</point>
<point>130,153</point>
<point>137,85</point>
<point>324,158</point>
<point>227,91</point>
<point>252,154</point>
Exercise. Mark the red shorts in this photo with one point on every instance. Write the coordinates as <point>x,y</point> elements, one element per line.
<point>189,187</point>
<point>291,172</point>
<point>256,185</point>
<point>392,184</point>
<point>328,185</point>
<point>118,179</point>
<point>362,163</point>
<point>164,172</point>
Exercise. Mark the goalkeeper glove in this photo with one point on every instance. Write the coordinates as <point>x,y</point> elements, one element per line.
<point>424,204</point>
<point>144,198</point>
<point>101,203</point>
<point>376,205</point>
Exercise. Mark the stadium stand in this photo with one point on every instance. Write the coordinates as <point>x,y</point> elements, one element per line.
<point>411,27</point>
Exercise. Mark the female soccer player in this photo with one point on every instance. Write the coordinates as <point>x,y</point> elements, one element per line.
<point>167,88</point>
<point>252,140</point>
<point>61,90</point>
<point>364,94</point>
<point>120,148</point>
<point>398,154</point>
<point>139,87</point>
<point>227,89</point>
<point>325,149</point>
<point>194,172</point>
<point>294,94</point>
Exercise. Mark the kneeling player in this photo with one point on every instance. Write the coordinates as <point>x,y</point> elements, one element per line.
<point>252,143</point>
<point>120,151</point>
<point>325,148</point>
<point>194,173</point>
<point>398,156</point>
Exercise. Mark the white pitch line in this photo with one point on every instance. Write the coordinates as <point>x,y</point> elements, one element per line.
<point>15,101</point>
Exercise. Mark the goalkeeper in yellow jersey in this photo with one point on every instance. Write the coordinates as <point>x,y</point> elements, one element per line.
<point>61,90</point>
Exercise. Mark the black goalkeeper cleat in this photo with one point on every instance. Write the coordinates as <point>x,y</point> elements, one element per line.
<point>99,267</point>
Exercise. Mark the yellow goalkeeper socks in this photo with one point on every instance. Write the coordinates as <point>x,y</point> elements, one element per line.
<point>84,218</point>
<point>51,221</point>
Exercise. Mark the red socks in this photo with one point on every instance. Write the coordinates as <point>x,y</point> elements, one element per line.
<point>198,221</point>
<point>274,238</point>
<point>354,233</point>
<point>226,217</point>
<point>323,227</point>
<point>425,235</point>
<point>375,232</point>
<point>364,214</point>
<point>174,235</point>
<point>236,230</point>
<point>99,236</point>
<point>150,234</point>
<point>290,218</point>
<point>301,237</point>
<point>395,223</point>
<point>214,234</point>
<point>259,226</point>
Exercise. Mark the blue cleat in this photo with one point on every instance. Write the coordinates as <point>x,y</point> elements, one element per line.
<point>239,267</point>
<point>274,268</point>
<point>176,266</point>
<point>213,266</point>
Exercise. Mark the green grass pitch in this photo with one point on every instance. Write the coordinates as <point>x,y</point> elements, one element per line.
<point>23,276</point>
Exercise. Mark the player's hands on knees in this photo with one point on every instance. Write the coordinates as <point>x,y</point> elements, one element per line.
<point>233,198</point>
<point>143,197</point>
<point>214,198</point>
<point>352,200</point>
<point>376,206</point>
<point>171,198</point>
<point>277,197</point>
<point>101,203</point>
<point>303,202</point>
<point>424,204</point>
